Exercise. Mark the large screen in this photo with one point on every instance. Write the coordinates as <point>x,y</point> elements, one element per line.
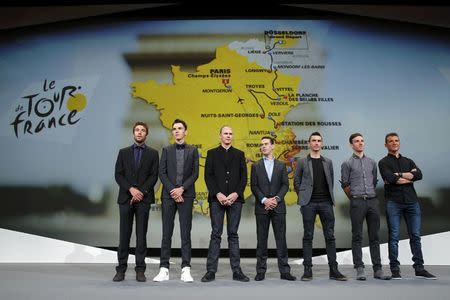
<point>71,94</point>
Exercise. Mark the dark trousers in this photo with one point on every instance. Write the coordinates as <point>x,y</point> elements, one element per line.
<point>169,208</point>
<point>217,212</point>
<point>368,210</point>
<point>325,211</point>
<point>279,231</point>
<point>412,214</point>
<point>127,213</point>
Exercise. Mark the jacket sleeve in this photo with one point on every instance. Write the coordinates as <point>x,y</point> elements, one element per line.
<point>119,172</point>
<point>167,184</point>
<point>259,195</point>
<point>150,182</point>
<point>284,184</point>
<point>194,175</point>
<point>210,180</point>
<point>243,173</point>
<point>298,176</point>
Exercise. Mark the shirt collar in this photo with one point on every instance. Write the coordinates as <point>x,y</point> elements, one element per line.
<point>393,156</point>
<point>268,159</point>
<point>357,157</point>
<point>136,146</point>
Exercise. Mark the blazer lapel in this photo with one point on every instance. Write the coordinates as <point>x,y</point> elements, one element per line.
<point>131,157</point>
<point>263,170</point>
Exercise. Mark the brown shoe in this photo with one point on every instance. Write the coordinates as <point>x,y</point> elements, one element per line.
<point>120,276</point>
<point>140,276</point>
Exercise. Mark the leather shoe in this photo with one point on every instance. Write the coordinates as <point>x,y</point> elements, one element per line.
<point>120,276</point>
<point>209,276</point>
<point>239,276</point>
<point>140,276</point>
<point>260,276</point>
<point>288,276</point>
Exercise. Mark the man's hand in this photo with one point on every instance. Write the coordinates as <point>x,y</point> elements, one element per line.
<point>270,203</point>
<point>403,181</point>
<point>179,199</point>
<point>136,194</point>
<point>222,198</point>
<point>231,198</point>
<point>176,192</point>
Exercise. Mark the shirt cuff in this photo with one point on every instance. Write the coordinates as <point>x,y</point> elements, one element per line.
<point>263,200</point>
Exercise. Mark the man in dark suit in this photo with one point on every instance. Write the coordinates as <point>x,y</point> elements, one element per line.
<point>178,171</point>
<point>313,182</point>
<point>136,173</point>
<point>226,178</point>
<point>269,183</point>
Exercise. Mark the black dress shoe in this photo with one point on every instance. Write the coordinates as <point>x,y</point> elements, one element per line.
<point>239,276</point>
<point>120,276</point>
<point>140,276</point>
<point>307,275</point>
<point>209,276</point>
<point>288,276</point>
<point>336,275</point>
<point>260,276</point>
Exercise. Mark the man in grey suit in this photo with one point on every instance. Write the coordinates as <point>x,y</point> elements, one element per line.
<point>313,182</point>
<point>178,172</point>
<point>269,183</point>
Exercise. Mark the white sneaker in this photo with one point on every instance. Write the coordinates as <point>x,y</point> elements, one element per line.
<point>186,275</point>
<point>163,275</point>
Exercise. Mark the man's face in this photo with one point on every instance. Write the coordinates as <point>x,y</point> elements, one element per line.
<point>358,144</point>
<point>315,143</point>
<point>178,131</point>
<point>226,136</point>
<point>139,134</point>
<point>393,143</point>
<point>266,147</point>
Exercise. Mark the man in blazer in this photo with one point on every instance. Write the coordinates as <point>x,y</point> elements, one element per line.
<point>313,182</point>
<point>226,178</point>
<point>269,183</point>
<point>178,171</point>
<point>136,173</point>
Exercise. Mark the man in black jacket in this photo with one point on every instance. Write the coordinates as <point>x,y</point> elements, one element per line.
<point>226,178</point>
<point>136,173</point>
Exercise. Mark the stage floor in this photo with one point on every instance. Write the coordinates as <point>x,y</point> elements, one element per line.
<point>94,281</point>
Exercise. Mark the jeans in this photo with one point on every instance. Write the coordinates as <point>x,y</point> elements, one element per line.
<point>412,215</point>
<point>326,214</point>
<point>233,213</point>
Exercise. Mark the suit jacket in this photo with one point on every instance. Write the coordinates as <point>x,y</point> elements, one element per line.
<point>303,179</point>
<point>219,178</point>
<point>168,170</point>
<point>143,176</point>
<point>262,187</point>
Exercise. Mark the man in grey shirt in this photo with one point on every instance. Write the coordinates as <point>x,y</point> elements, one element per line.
<point>358,180</point>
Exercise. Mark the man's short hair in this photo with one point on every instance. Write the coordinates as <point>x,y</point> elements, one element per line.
<point>389,135</point>
<point>142,124</point>
<point>180,121</point>
<point>272,141</point>
<point>314,133</point>
<point>353,135</point>
<point>221,128</point>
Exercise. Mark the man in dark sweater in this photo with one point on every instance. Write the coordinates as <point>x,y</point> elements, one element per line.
<point>313,182</point>
<point>399,174</point>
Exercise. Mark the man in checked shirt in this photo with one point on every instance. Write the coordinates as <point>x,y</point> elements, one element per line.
<point>358,180</point>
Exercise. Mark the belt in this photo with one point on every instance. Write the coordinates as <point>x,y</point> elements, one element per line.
<point>365,197</point>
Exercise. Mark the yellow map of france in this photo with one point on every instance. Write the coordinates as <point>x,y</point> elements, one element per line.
<point>232,91</point>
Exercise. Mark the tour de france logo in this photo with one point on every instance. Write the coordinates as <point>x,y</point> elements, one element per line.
<point>53,105</point>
